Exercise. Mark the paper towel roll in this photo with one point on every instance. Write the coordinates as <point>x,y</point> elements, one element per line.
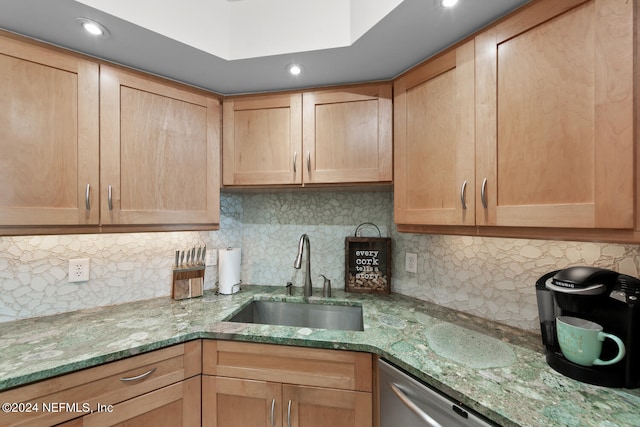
<point>229,271</point>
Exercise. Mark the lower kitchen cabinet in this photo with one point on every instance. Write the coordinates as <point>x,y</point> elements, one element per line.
<point>177,405</point>
<point>247,384</point>
<point>239,402</point>
<point>161,387</point>
<point>317,406</point>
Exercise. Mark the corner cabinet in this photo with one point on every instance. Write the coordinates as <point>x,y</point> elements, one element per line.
<point>159,152</point>
<point>246,384</point>
<point>48,137</point>
<point>543,146</point>
<point>331,136</point>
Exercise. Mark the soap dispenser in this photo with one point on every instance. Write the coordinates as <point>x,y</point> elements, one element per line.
<point>326,287</point>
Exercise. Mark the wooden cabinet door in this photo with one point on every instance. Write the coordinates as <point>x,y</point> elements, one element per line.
<point>554,115</point>
<point>319,407</point>
<point>347,135</point>
<point>232,402</point>
<point>159,152</point>
<point>48,137</point>
<point>175,405</point>
<point>434,141</point>
<point>262,140</point>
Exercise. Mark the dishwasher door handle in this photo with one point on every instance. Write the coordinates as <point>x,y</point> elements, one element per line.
<point>415,408</point>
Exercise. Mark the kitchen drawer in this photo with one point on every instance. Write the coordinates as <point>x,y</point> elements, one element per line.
<point>338,369</point>
<point>76,394</point>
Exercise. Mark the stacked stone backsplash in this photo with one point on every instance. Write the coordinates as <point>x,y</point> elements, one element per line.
<point>489,277</point>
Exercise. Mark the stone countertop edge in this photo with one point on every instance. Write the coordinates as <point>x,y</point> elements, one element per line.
<point>505,378</point>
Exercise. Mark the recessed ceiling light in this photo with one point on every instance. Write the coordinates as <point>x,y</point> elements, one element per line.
<point>294,69</point>
<point>448,3</point>
<point>93,27</point>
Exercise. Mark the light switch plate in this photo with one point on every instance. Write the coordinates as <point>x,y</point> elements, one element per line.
<point>411,262</point>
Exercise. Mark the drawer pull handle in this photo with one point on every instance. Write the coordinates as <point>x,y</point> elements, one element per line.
<point>273,408</point>
<point>463,194</point>
<point>139,377</point>
<point>289,414</point>
<point>483,193</point>
<point>87,203</point>
<point>419,412</point>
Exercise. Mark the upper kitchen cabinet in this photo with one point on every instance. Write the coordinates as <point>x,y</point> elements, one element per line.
<point>48,138</point>
<point>347,136</point>
<point>262,140</point>
<point>159,152</point>
<point>555,117</point>
<point>434,146</point>
<point>331,136</point>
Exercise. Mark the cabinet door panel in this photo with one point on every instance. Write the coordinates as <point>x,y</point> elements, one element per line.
<point>262,140</point>
<point>48,137</point>
<point>434,143</point>
<point>175,405</point>
<point>347,135</point>
<point>311,406</point>
<point>561,92</point>
<point>232,402</point>
<point>159,152</point>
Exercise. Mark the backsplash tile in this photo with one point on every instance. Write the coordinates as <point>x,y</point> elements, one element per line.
<point>490,277</point>
<point>495,277</point>
<point>123,267</point>
<point>273,223</point>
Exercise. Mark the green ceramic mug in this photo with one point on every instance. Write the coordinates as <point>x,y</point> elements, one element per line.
<point>581,341</point>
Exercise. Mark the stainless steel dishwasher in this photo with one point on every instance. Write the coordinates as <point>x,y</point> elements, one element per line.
<point>406,402</point>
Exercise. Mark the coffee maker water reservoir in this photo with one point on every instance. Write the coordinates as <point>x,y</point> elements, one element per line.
<point>605,297</point>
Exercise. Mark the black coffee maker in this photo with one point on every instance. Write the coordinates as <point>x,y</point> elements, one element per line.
<point>601,296</point>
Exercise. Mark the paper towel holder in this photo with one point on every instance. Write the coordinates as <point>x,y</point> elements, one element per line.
<point>229,266</point>
<point>234,289</point>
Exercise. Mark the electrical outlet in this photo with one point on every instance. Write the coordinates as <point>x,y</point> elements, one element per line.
<point>411,262</point>
<point>79,270</point>
<point>212,257</point>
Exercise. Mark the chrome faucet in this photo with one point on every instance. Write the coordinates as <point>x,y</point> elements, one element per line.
<point>298,263</point>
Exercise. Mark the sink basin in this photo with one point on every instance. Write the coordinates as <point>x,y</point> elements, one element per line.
<point>324,316</point>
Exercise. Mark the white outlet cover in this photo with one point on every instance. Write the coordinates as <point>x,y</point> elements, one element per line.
<point>79,270</point>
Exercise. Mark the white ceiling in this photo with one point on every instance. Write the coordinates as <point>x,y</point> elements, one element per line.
<point>241,29</point>
<point>244,46</point>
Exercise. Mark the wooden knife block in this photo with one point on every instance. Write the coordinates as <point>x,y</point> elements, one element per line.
<point>188,282</point>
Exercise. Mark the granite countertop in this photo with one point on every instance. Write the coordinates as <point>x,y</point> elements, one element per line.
<point>497,370</point>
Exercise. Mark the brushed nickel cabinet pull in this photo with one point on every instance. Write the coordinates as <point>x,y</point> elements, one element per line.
<point>483,193</point>
<point>295,158</point>
<point>309,161</point>
<point>289,414</point>
<point>109,198</point>
<point>87,203</point>
<point>139,377</point>
<point>273,407</point>
<point>463,195</point>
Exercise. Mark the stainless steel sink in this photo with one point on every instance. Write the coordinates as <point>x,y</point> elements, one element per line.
<point>324,316</point>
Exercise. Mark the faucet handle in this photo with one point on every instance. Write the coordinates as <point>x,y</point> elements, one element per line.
<point>326,286</point>
<point>289,288</point>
